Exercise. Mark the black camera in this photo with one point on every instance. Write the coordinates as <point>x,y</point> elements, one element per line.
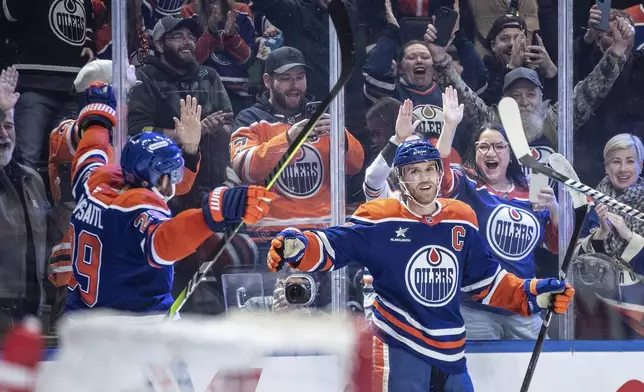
<point>300,289</point>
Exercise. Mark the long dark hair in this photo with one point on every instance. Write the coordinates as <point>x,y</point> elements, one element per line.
<point>514,172</point>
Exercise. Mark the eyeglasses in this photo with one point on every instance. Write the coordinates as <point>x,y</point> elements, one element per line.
<point>181,37</point>
<point>484,147</point>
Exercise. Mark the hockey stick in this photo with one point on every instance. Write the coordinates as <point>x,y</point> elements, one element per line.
<point>580,203</point>
<point>340,19</point>
<point>511,119</point>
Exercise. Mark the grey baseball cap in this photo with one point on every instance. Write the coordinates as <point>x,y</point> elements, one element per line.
<point>282,59</point>
<point>521,73</point>
<point>173,22</point>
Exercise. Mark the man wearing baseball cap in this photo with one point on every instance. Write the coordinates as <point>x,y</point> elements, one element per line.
<point>266,129</point>
<point>509,48</point>
<point>166,78</point>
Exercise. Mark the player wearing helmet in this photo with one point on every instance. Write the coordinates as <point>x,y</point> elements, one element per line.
<point>124,239</point>
<point>422,252</point>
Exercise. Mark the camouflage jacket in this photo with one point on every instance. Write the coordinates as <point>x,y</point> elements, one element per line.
<point>586,98</point>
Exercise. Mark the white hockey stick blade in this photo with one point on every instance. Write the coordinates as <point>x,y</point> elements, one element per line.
<point>560,164</point>
<point>511,119</point>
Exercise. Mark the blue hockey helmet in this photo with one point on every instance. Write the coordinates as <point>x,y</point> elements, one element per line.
<point>414,151</point>
<point>148,156</point>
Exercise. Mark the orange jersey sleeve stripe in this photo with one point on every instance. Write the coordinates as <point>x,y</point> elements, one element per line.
<point>416,333</point>
<point>313,255</point>
<point>95,142</point>
<point>509,295</point>
<point>175,239</point>
<point>354,156</point>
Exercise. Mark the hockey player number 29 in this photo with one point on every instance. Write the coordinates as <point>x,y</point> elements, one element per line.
<point>88,264</point>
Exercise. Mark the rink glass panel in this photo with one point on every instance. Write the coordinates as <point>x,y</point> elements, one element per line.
<point>588,318</point>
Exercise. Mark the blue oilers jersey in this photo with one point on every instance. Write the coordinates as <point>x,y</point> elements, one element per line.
<point>124,242</point>
<point>511,228</point>
<point>419,265</point>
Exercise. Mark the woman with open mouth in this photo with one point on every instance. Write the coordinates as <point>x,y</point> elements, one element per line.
<point>492,182</point>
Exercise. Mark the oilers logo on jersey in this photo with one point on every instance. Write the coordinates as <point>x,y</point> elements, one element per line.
<point>303,177</point>
<point>67,21</point>
<point>541,154</point>
<point>512,232</point>
<point>432,276</point>
<point>431,119</point>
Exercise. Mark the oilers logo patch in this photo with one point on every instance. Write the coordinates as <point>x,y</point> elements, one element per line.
<point>512,232</point>
<point>541,154</point>
<point>67,21</point>
<point>432,276</point>
<point>302,178</point>
<point>431,120</point>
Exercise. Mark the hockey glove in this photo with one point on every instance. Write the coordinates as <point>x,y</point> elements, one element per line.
<point>541,292</point>
<point>288,246</point>
<point>224,206</point>
<point>99,109</point>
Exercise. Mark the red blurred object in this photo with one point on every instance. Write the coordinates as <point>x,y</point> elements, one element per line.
<point>21,356</point>
<point>632,386</point>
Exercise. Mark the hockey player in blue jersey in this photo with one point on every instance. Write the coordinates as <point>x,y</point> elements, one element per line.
<point>422,251</point>
<point>124,239</point>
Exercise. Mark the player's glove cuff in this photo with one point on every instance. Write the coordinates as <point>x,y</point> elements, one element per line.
<point>540,294</point>
<point>224,206</point>
<point>99,108</point>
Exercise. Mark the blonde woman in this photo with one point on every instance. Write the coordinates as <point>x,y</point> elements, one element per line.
<point>618,279</point>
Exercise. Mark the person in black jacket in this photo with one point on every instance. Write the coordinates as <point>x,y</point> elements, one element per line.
<point>53,40</point>
<point>508,42</point>
<point>167,78</point>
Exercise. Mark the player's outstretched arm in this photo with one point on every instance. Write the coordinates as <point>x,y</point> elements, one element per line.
<point>326,249</point>
<point>170,240</point>
<point>486,282</point>
<point>94,129</point>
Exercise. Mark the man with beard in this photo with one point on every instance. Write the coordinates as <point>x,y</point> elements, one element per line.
<point>539,117</point>
<point>172,74</point>
<point>265,131</point>
<point>26,230</point>
<point>167,77</point>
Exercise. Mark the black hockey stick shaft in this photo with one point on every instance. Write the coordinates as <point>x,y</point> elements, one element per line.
<point>580,214</point>
<point>340,18</point>
<point>581,187</point>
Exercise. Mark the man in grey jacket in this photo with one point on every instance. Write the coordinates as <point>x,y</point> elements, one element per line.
<point>24,215</point>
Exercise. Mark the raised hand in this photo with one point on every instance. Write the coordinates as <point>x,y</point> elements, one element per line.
<point>452,111</point>
<point>8,83</point>
<point>215,122</point>
<point>188,127</point>
<point>438,52</point>
<point>231,23</point>
<point>594,18</point>
<point>623,36</point>
<point>537,56</point>
<point>389,14</point>
<point>517,57</point>
<point>405,124</point>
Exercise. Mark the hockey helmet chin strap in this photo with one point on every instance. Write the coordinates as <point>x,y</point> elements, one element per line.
<point>164,197</point>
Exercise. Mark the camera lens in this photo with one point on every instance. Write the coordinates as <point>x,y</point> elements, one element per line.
<point>295,293</point>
